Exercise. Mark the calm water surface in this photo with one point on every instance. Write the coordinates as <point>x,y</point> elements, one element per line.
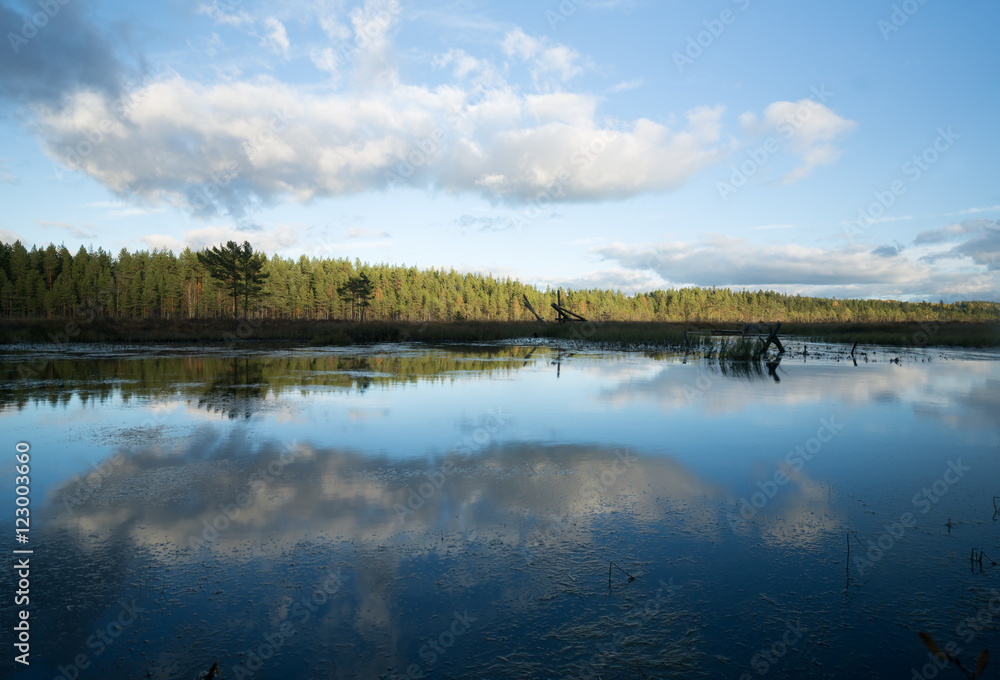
<point>453,511</point>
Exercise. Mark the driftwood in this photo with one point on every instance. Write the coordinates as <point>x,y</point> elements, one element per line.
<point>532,310</point>
<point>773,337</point>
<point>564,314</point>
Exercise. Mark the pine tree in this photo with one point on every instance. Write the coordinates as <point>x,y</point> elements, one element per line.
<point>358,293</point>
<point>239,269</point>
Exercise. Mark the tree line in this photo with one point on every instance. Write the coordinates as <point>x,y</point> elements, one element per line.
<point>233,280</point>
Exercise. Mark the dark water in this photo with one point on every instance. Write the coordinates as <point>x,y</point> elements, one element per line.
<point>454,512</point>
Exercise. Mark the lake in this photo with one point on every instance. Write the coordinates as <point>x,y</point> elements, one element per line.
<point>502,511</point>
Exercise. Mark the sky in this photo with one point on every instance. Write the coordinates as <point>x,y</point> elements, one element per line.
<point>842,149</point>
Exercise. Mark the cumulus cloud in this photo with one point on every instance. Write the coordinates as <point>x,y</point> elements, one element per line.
<point>856,271</point>
<point>227,147</point>
<point>731,261</point>
<point>232,145</point>
<point>809,128</point>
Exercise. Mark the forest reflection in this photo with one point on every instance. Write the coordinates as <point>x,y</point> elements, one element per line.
<point>234,384</point>
<point>238,384</point>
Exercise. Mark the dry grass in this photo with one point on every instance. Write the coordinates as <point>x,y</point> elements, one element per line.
<point>609,334</point>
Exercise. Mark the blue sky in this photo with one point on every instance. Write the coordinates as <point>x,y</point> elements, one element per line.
<point>840,149</point>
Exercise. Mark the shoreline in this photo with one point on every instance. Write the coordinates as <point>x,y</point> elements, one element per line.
<point>344,333</point>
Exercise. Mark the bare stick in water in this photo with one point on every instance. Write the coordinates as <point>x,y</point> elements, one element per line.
<point>630,577</point>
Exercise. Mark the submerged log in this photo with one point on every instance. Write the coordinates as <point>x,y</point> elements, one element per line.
<point>773,337</point>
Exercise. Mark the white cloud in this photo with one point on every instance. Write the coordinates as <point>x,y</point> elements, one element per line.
<point>626,85</point>
<point>65,226</point>
<point>857,271</point>
<point>119,209</point>
<point>226,16</point>
<point>8,236</point>
<point>520,44</point>
<point>543,58</point>
<point>626,280</point>
<point>279,238</point>
<point>974,211</point>
<point>730,261</point>
<point>324,59</point>
<point>362,232</point>
<point>162,242</point>
<point>978,240</point>
<point>461,62</point>
<point>770,227</point>
<point>277,37</point>
<point>809,128</point>
<point>573,109</point>
<point>235,144</point>
<point>370,47</point>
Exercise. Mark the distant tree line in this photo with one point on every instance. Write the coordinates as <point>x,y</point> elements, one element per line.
<point>53,282</point>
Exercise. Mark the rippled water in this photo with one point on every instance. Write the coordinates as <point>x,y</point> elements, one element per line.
<point>405,511</point>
